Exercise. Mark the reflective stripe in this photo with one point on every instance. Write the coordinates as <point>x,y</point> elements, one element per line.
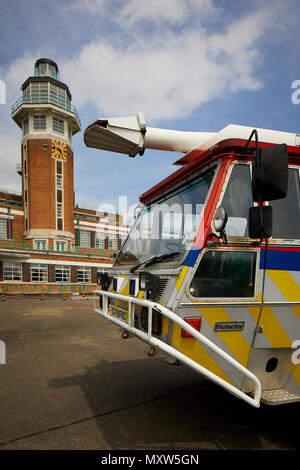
<point>273,330</point>
<point>286,285</point>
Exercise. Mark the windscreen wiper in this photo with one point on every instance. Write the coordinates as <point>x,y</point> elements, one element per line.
<point>154,259</point>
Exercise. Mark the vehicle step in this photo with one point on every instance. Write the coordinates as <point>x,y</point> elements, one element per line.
<point>278,396</point>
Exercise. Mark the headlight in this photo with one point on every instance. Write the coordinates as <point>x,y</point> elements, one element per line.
<point>220,219</point>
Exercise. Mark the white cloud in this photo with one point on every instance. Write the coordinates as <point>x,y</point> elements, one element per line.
<point>171,11</point>
<point>169,74</point>
<point>133,11</point>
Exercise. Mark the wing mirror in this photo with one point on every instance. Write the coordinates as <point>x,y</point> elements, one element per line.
<point>269,182</point>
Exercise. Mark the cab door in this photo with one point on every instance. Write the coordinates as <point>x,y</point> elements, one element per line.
<point>279,321</point>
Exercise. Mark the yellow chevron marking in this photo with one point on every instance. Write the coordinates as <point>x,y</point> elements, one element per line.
<point>234,340</point>
<point>181,277</point>
<point>124,291</point>
<point>273,330</point>
<point>297,311</point>
<point>255,311</point>
<point>193,349</point>
<point>286,284</point>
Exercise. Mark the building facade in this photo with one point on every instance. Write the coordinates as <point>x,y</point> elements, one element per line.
<point>46,243</point>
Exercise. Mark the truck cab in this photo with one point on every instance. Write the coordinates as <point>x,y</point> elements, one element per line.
<point>210,271</point>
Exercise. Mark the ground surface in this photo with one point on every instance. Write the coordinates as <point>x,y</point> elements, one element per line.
<point>71,382</point>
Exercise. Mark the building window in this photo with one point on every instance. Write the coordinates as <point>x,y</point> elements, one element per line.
<point>59,181</point>
<point>12,271</point>
<point>58,125</point>
<point>3,229</point>
<point>58,168</point>
<point>39,121</point>
<point>25,126</point>
<point>69,133</point>
<point>60,246</point>
<point>40,245</point>
<point>39,272</point>
<point>62,273</point>
<point>112,242</point>
<point>85,238</point>
<point>83,274</point>
<point>100,240</point>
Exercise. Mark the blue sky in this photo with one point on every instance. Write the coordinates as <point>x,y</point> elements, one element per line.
<point>194,65</point>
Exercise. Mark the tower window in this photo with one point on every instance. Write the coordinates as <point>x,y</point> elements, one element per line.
<point>59,210</point>
<point>39,121</point>
<point>3,229</point>
<point>59,224</point>
<point>59,181</point>
<point>58,125</point>
<point>58,168</point>
<point>25,126</point>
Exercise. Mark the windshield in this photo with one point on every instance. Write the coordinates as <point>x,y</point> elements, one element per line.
<point>168,225</point>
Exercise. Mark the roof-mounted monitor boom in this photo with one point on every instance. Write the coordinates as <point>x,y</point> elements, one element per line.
<point>129,135</point>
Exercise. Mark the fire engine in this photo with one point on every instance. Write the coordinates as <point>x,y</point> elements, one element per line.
<point>210,271</point>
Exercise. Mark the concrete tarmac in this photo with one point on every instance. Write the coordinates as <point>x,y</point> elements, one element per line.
<point>71,382</point>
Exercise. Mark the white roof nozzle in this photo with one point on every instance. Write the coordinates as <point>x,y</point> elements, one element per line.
<point>129,135</point>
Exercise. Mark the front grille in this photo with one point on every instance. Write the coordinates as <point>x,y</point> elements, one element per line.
<point>157,293</point>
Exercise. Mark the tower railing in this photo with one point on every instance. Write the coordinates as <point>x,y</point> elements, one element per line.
<point>45,98</point>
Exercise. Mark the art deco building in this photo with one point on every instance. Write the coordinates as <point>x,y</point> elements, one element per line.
<point>45,241</point>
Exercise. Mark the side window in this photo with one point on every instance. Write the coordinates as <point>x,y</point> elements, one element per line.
<point>225,274</point>
<point>237,200</point>
<point>286,212</point>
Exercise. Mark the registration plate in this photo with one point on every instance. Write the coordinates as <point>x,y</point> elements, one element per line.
<point>119,313</point>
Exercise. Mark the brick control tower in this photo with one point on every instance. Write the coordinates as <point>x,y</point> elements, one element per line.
<point>48,121</point>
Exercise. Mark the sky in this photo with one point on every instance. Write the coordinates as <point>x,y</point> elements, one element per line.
<point>190,65</point>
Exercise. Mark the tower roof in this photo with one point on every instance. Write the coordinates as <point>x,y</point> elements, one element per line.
<point>46,61</point>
